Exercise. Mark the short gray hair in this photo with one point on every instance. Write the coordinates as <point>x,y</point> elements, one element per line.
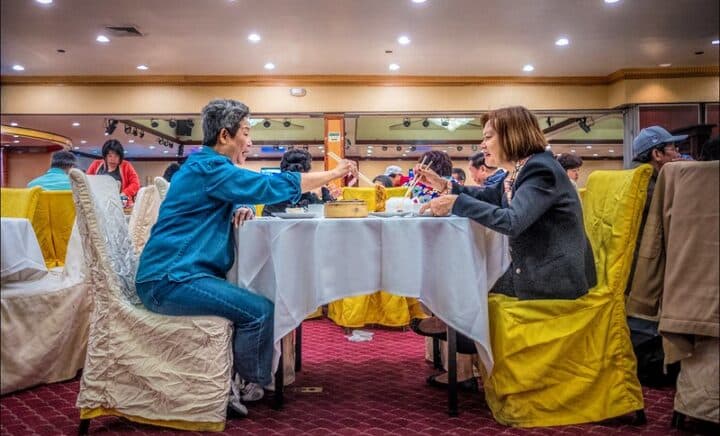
<point>222,114</point>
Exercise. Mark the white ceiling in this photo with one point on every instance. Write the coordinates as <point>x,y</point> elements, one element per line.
<point>449,37</point>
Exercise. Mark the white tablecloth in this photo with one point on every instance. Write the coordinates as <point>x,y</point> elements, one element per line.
<point>22,259</point>
<point>449,263</point>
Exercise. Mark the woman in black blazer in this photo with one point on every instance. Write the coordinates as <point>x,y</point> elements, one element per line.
<point>536,206</point>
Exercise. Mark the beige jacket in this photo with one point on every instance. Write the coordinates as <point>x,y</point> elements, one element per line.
<point>678,263</point>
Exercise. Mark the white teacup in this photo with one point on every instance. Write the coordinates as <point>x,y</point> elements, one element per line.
<point>401,204</point>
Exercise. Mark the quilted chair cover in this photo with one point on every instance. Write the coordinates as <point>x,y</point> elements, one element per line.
<point>561,362</point>
<point>19,202</point>
<point>144,216</point>
<point>380,307</point>
<point>53,223</point>
<point>149,368</point>
<point>162,186</point>
<point>44,324</point>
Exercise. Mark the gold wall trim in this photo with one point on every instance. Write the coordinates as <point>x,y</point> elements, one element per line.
<point>37,134</point>
<point>366,80</point>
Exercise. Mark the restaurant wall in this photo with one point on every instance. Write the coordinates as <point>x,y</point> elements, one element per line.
<point>689,89</point>
<point>25,167</point>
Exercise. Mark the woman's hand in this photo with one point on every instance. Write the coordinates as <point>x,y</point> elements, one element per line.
<point>345,167</point>
<point>430,178</point>
<point>241,215</point>
<point>441,206</point>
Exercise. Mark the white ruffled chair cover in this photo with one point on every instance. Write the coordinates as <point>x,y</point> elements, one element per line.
<point>144,216</point>
<point>172,371</point>
<point>162,186</point>
<point>44,324</point>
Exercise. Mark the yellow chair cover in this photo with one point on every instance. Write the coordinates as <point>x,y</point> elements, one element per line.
<point>380,307</point>
<point>53,221</point>
<point>561,362</point>
<point>581,193</point>
<point>368,195</point>
<point>19,203</point>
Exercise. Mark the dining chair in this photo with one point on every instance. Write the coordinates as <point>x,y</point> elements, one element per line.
<point>169,371</point>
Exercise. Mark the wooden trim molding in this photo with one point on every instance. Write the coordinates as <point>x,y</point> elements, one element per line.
<point>365,80</point>
<point>40,135</point>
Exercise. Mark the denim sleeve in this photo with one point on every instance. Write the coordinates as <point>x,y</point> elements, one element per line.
<point>226,182</point>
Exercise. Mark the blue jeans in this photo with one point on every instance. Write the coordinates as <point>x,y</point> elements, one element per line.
<point>251,314</point>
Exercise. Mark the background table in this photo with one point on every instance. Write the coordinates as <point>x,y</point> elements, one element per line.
<point>450,263</point>
<point>22,259</point>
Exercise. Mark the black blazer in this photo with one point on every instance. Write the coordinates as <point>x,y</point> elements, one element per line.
<point>551,255</point>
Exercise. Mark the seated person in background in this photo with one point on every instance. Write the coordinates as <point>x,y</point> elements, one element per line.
<point>299,161</point>
<point>458,175</point>
<point>482,173</point>
<point>170,171</point>
<point>113,164</point>
<point>56,178</point>
<point>396,175</point>
<point>710,150</point>
<point>441,165</point>
<point>536,206</point>
<point>183,267</point>
<point>383,180</point>
<point>571,164</point>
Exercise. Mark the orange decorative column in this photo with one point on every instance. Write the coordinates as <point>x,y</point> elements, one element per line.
<point>335,143</point>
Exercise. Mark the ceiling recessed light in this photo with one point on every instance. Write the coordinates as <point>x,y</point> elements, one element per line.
<point>15,136</point>
<point>151,147</point>
<point>418,1</point>
<point>269,66</point>
<point>527,68</point>
<point>562,42</point>
<point>572,151</point>
<point>589,147</point>
<point>254,37</point>
<point>75,124</point>
<point>17,141</point>
<point>393,67</point>
<point>13,124</point>
<point>132,141</point>
<point>76,147</point>
<point>82,141</point>
<point>611,1</point>
<point>44,2</point>
<point>18,67</point>
<point>255,155</point>
<point>595,155</point>
<point>298,92</point>
<point>664,65</point>
<point>611,151</point>
<point>102,38</point>
<point>142,67</point>
<point>166,151</point>
<point>403,40</point>
<point>716,41</point>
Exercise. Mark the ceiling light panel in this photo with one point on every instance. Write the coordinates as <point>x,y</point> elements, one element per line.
<point>102,38</point>
<point>254,37</point>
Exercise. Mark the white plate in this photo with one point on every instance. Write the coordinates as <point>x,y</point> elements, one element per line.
<point>389,214</point>
<point>288,215</point>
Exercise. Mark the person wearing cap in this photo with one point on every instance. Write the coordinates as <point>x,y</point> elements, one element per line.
<point>396,174</point>
<point>113,164</point>
<point>56,178</point>
<point>656,146</point>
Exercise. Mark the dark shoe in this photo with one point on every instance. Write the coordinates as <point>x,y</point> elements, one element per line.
<point>432,327</point>
<point>469,385</point>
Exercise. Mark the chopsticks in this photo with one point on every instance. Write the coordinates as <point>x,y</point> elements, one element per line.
<point>362,176</point>
<point>416,179</point>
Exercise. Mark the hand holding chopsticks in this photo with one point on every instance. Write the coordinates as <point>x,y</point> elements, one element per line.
<point>357,173</point>
<point>419,170</point>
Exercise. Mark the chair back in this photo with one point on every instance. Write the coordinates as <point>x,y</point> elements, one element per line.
<point>19,202</point>
<point>53,222</point>
<point>612,210</point>
<point>162,186</point>
<point>106,241</point>
<point>144,216</point>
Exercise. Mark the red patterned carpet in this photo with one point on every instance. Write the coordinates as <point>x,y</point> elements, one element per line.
<point>368,388</point>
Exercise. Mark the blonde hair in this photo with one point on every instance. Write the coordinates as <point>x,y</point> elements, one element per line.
<point>518,131</point>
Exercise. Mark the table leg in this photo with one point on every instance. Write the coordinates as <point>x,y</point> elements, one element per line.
<point>298,348</point>
<point>280,380</point>
<point>452,372</point>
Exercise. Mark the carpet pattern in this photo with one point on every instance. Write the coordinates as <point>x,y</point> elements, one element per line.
<point>368,388</point>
